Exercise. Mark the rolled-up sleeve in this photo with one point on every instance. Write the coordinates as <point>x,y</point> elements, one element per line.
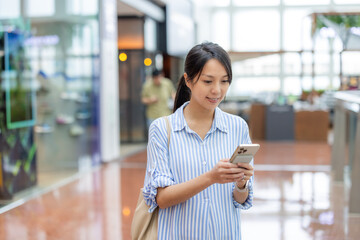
<point>158,173</point>
<point>249,201</point>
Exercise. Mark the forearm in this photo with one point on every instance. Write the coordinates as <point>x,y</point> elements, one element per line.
<point>148,100</point>
<point>175,194</point>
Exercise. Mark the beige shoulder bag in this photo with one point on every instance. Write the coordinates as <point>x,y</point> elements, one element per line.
<point>144,224</point>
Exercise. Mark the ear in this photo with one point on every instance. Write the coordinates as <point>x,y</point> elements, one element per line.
<point>187,81</point>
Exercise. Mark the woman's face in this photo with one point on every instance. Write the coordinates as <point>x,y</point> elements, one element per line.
<point>211,87</point>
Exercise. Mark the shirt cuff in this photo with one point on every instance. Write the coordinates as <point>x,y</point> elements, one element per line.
<point>249,200</point>
<point>150,191</point>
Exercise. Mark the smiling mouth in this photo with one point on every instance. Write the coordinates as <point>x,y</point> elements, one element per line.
<point>213,100</point>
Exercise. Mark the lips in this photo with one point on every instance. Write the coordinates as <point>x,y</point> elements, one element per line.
<point>213,100</point>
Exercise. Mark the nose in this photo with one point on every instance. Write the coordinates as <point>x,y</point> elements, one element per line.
<point>216,88</point>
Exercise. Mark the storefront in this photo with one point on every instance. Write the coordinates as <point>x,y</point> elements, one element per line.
<point>50,99</point>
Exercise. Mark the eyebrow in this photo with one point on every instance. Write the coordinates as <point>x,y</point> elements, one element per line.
<point>211,76</point>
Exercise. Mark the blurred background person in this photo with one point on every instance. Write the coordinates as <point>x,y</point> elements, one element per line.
<point>156,93</point>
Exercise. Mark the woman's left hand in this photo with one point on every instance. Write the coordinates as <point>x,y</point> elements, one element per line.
<point>248,173</point>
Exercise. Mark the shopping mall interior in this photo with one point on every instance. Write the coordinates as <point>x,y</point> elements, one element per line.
<point>73,131</point>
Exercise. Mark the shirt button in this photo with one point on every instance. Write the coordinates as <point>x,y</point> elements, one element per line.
<point>204,162</point>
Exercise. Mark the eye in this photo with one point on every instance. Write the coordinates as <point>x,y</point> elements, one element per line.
<point>225,81</point>
<point>207,81</point>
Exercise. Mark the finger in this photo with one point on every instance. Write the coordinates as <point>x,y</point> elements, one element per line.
<point>245,165</point>
<point>234,177</point>
<point>228,165</point>
<point>233,170</point>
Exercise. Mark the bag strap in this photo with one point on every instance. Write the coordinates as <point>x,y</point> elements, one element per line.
<point>168,128</point>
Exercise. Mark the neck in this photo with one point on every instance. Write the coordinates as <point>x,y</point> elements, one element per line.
<point>197,113</point>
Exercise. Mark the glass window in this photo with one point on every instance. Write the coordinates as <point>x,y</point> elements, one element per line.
<point>82,7</point>
<point>306,2</point>
<point>9,9</point>
<point>82,40</point>
<point>242,86</point>
<point>306,83</point>
<point>297,29</point>
<point>40,8</point>
<point>292,63</point>
<point>79,67</point>
<point>338,44</point>
<point>266,65</point>
<point>336,83</point>
<point>220,3</point>
<point>321,44</point>
<point>221,29</point>
<point>150,35</point>
<point>256,30</point>
<point>256,2</point>
<point>292,86</point>
<point>322,83</point>
<point>307,59</point>
<point>336,64</point>
<point>347,1</point>
<point>350,63</point>
<point>321,62</point>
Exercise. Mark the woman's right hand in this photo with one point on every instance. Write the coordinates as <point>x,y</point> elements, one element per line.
<point>226,172</point>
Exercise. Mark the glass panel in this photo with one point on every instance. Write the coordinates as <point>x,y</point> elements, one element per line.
<point>242,86</point>
<point>351,63</point>
<point>321,44</point>
<point>9,9</point>
<point>306,83</point>
<point>267,65</point>
<point>150,36</point>
<point>307,59</point>
<point>292,63</point>
<point>337,44</point>
<point>336,63</point>
<point>256,2</point>
<point>306,2</point>
<point>82,7</point>
<point>297,29</point>
<point>292,86</point>
<point>256,30</point>
<point>321,83</point>
<point>347,1</point>
<point>336,83</point>
<point>322,61</point>
<point>40,8</point>
<point>66,72</point>
<point>48,53</point>
<point>221,29</point>
<point>220,3</point>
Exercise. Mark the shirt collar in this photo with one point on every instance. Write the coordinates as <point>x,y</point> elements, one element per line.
<point>218,122</point>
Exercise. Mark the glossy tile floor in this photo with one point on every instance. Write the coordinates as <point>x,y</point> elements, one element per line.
<point>295,198</point>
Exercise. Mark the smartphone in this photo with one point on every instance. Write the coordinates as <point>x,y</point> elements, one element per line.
<point>244,153</point>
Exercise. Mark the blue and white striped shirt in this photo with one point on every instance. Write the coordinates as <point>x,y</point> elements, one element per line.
<point>213,213</point>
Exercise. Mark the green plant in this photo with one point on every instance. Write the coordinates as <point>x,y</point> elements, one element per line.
<point>346,20</point>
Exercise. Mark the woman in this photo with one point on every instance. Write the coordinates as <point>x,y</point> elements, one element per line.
<point>199,192</point>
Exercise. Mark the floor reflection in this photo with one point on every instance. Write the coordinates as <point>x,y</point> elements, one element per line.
<point>295,198</point>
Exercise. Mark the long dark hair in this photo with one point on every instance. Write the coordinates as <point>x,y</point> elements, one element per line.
<point>194,64</point>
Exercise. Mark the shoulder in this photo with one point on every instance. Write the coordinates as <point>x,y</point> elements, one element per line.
<point>157,128</point>
<point>147,83</point>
